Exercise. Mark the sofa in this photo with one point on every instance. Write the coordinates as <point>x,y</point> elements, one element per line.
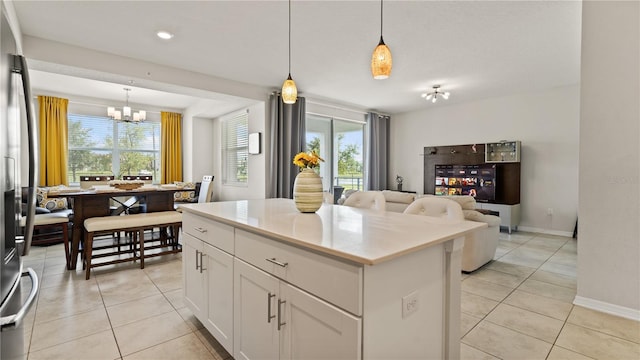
<point>479,246</point>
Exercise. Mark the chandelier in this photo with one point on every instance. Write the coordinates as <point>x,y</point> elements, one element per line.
<point>433,96</point>
<point>126,114</point>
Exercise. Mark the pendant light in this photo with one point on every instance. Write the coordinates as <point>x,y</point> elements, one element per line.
<point>381,61</point>
<point>289,90</point>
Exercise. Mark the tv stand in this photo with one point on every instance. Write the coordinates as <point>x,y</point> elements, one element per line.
<point>509,214</point>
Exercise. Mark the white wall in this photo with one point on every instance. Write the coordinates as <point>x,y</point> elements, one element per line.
<point>256,188</point>
<point>547,124</point>
<point>609,230</point>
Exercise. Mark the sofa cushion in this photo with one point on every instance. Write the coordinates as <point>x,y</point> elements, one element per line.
<point>473,215</point>
<point>465,201</point>
<point>398,197</point>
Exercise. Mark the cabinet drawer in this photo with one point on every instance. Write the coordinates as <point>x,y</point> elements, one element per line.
<point>335,281</point>
<point>212,232</point>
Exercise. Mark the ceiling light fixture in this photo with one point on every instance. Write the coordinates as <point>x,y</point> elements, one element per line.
<point>289,89</point>
<point>126,114</point>
<point>164,35</point>
<point>433,96</point>
<point>381,61</point>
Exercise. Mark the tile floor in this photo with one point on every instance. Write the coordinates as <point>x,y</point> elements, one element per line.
<point>516,307</point>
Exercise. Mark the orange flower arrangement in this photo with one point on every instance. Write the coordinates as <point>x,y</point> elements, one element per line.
<point>307,160</point>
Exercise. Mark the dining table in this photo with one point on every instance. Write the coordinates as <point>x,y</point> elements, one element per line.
<point>95,202</point>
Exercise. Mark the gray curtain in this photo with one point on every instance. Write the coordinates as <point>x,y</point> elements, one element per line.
<point>378,159</point>
<point>286,124</point>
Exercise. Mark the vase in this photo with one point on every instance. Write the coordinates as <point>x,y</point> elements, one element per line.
<point>307,191</point>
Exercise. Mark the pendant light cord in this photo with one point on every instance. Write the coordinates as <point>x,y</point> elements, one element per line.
<point>381,12</point>
<point>289,38</point>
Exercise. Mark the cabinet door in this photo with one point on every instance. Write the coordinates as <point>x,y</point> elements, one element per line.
<point>255,313</point>
<point>218,267</point>
<point>193,278</point>
<point>315,329</point>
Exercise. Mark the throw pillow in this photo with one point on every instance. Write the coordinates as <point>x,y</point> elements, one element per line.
<point>185,196</point>
<point>54,204</point>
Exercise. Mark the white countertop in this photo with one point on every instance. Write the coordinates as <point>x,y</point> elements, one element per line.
<point>363,236</point>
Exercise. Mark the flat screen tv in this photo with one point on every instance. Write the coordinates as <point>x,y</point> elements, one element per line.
<point>478,181</point>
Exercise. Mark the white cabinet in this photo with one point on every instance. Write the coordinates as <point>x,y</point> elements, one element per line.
<point>194,282</point>
<point>275,320</point>
<point>208,277</point>
<point>509,214</point>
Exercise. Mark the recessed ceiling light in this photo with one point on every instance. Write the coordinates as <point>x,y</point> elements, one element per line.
<point>165,35</point>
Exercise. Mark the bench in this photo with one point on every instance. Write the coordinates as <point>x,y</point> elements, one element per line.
<point>135,224</point>
<point>58,222</point>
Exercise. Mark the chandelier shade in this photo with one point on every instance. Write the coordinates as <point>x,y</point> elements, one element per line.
<point>289,91</point>
<point>381,61</point>
<point>126,114</point>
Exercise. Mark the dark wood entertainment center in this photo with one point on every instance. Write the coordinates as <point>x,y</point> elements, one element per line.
<point>507,182</point>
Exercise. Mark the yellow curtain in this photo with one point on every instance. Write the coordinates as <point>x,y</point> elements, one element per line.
<point>170,147</point>
<point>53,140</point>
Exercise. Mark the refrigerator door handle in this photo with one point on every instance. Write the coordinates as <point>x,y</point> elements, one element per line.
<point>20,67</point>
<point>14,320</point>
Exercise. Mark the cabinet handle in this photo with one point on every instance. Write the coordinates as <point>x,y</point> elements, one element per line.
<point>201,230</point>
<point>280,324</point>
<point>274,261</point>
<point>201,267</point>
<point>198,256</point>
<point>269,316</point>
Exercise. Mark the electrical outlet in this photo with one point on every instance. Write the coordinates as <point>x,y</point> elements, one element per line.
<point>549,211</point>
<point>410,304</point>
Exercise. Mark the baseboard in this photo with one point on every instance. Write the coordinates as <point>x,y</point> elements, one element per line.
<point>545,231</point>
<point>625,312</point>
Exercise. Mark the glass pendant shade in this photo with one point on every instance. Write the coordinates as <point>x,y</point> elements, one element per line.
<point>381,61</point>
<point>289,91</point>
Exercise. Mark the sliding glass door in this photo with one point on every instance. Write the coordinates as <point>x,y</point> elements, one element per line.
<point>341,144</point>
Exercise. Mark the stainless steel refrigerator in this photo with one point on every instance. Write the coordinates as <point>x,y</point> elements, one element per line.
<point>16,123</point>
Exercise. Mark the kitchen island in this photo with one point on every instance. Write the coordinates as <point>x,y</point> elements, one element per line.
<point>344,283</point>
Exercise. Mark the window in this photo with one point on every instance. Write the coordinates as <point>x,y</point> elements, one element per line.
<point>93,151</point>
<point>340,144</point>
<point>235,149</point>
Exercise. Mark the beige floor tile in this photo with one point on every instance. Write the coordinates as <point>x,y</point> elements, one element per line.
<point>533,253</point>
<point>548,290</point>
<point>609,324</point>
<point>190,319</point>
<point>505,343</point>
<point>184,347</point>
<point>66,278</point>
<point>60,302</point>
<point>558,353</point>
<point>539,326</point>
<point>527,261</point>
<point>219,352</point>
<point>498,277</point>
<point>546,243</point>
<point>476,305</point>
<point>70,328</point>
<point>564,258</point>
<point>483,288</point>
<point>150,332</point>
<point>139,309</point>
<point>517,270</point>
<point>470,353</point>
<point>517,237</point>
<point>176,298</point>
<point>126,285</point>
<point>596,344</point>
<point>97,346</point>
<point>555,278</point>
<point>568,270</point>
<point>467,322</point>
<point>539,304</point>
<point>500,252</point>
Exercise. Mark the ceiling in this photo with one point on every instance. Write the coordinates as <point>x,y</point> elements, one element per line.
<point>474,49</point>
